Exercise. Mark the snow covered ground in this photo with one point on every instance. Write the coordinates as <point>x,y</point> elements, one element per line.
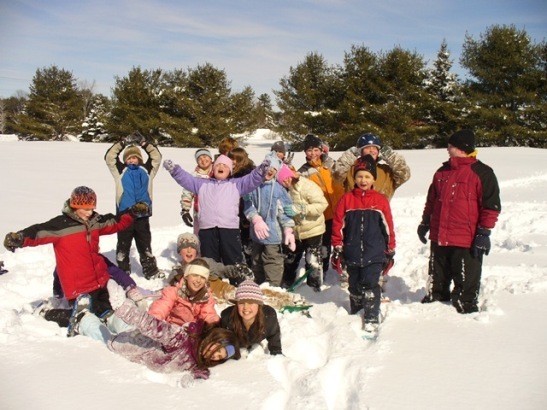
<point>426,357</point>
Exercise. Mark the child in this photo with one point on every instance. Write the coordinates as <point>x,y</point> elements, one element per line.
<point>133,178</point>
<point>161,346</point>
<point>188,249</point>
<point>204,169</point>
<point>363,232</point>
<point>219,230</point>
<point>251,320</point>
<point>308,207</point>
<point>264,207</point>
<point>75,239</point>
<point>226,145</point>
<point>188,300</point>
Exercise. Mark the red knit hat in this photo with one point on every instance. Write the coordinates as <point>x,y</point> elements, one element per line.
<point>83,197</point>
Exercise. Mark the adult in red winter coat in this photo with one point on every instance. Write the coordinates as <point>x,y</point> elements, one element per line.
<point>462,207</point>
<point>75,238</point>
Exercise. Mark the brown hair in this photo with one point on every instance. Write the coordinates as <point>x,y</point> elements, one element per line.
<point>240,331</point>
<point>242,163</point>
<point>216,335</point>
<point>227,144</point>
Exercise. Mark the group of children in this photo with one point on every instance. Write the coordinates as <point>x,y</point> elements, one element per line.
<point>276,213</point>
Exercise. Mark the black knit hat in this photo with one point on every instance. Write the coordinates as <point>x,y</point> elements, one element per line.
<point>312,141</point>
<point>464,140</point>
<point>365,163</point>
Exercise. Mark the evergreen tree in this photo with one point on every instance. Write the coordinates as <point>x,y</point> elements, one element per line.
<point>54,106</point>
<point>93,126</point>
<point>12,109</point>
<point>309,99</point>
<point>507,93</point>
<point>265,113</point>
<point>244,115</point>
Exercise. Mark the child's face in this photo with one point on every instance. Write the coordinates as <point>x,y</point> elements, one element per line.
<point>215,352</point>
<point>194,283</point>
<point>364,180</point>
<point>313,154</point>
<point>270,174</point>
<point>221,171</point>
<point>188,254</point>
<point>454,152</point>
<point>287,182</point>
<point>247,311</point>
<point>204,162</point>
<point>84,214</point>
<point>133,160</point>
<point>280,155</point>
<point>370,150</point>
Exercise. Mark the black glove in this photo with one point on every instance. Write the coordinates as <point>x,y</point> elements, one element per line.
<point>13,240</point>
<point>139,210</point>
<point>390,254</point>
<point>336,259</point>
<point>423,229</point>
<point>135,138</point>
<point>187,218</point>
<point>481,244</point>
<point>243,271</point>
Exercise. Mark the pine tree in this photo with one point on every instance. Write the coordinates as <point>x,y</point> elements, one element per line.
<point>54,106</point>
<point>93,126</point>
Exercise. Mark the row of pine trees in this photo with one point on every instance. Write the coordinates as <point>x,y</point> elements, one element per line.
<point>393,94</point>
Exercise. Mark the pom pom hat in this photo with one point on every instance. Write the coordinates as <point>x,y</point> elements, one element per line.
<point>223,159</point>
<point>464,140</point>
<point>133,151</point>
<point>83,197</point>
<point>248,292</point>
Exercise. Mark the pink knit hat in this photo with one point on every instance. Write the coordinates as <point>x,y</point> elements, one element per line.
<point>284,173</point>
<point>248,291</point>
<point>223,159</point>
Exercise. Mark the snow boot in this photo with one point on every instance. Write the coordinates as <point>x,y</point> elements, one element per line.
<point>82,304</point>
<point>355,303</point>
<point>150,269</point>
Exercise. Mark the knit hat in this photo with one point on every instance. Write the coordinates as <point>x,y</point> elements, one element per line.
<point>312,141</point>
<point>187,240</point>
<point>83,197</point>
<point>203,151</point>
<point>284,173</point>
<point>223,159</point>
<point>368,139</point>
<point>196,270</point>
<point>248,291</point>
<point>133,151</point>
<point>279,146</point>
<point>365,163</point>
<point>464,140</point>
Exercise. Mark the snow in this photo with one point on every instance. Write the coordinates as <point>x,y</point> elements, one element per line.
<point>427,356</point>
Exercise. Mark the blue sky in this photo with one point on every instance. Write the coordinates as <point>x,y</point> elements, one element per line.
<point>255,42</point>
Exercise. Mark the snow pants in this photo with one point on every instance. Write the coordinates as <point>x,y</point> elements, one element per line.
<point>453,263</point>
<point>364,288</point>
<point>222,245</point>
<point>102,330</point>
<point>267,263</point>
<point>139,230</point>
<point>311,247</point>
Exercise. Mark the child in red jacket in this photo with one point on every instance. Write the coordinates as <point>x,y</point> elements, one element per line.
<point>363,233</point>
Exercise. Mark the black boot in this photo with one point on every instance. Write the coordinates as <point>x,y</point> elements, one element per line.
<point>355,303</point>
<point>370,315</point>
<point>150,269</point>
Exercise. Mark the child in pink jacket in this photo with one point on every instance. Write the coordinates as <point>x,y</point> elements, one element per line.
<point>189,299</point>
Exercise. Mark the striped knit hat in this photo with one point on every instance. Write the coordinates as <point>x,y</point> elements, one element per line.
<point>248,291</point>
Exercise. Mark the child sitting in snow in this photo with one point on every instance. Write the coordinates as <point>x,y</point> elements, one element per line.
<point>363,233</point>
<point>251,320</point>
<point>188,200</point>
<point>219,230</point>
<point>189,299</point>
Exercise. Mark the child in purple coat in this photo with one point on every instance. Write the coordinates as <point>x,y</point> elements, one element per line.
<point>218,205</point>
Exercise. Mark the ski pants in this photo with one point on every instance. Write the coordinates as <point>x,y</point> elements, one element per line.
<point>267,263</point>
<point>311,247</point>
<point>364,283</point>
<point>139,230</point>
<point>102,330</point>
<point>453,263</point>
<point>222,245</point>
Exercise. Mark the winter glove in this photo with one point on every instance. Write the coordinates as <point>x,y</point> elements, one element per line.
<point>336,259</point>
<point>355,151</point>
<point>288,158</point>
<point>187,218</point>
<point>135,138</point>
<point>261,229</point>
<point>13,240</point>
<point>289,210</point>
<point>390,253</point>
<point>290,241</point>
<point>386,152</point>
<point>241,270</point>
<point>264,167</point>
<point>139,210</point>
<point>169,165</point>
<point>423,229</point>
<point>481,244</point>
